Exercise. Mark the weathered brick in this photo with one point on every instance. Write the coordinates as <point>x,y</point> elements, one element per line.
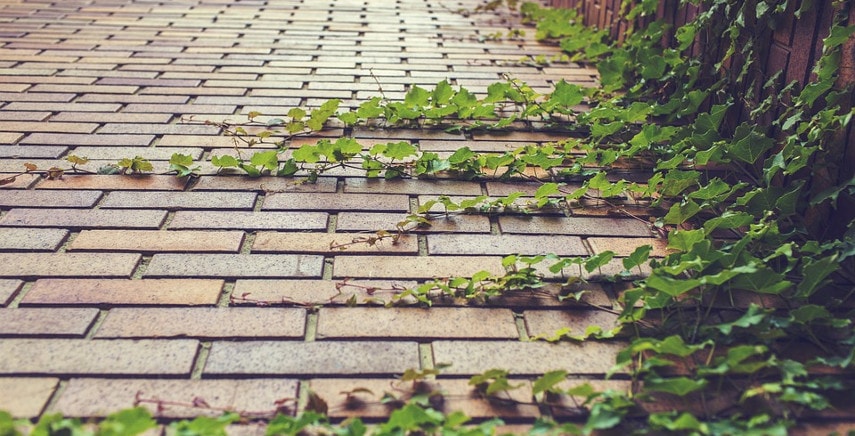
<point>158,241</point>
<point>179,200</point>
<point>30,239</point>
<point>413,267</point>
<point>8,288</point>
<point>112,117</point>
<point>94,140</point>
<point>107,182</point>
<point>300,242</point>
<point>114,292</point>
<point>545,323</point>
<point>13,198</point>
<point>333,202</point>
<point>67,264</point>
<point>416,323</point>
<point>180,109</point>
<point>71,322</point>
<point>84,89</point>
<point>26,397</point>
<point>26,116</point>
<point>333,358</point>
<point>10,137</point>
<point>234,265</point>
<point>249,220</point>
<point>58,107</point>
<point>84,218</point>
<point>372,222</point>
<point>582,226</point>
<point>37,126</point>
<point>505,244</point>
<point>273,186</point>
<point>203,322</point>
<point>94,397</point>
<point>625,246</point>
<point>37,151</point>
<point>158,129</point>
<point>526,358</point>
<point>424,187</point>
<point>114,357</point>
<point>315,292</point>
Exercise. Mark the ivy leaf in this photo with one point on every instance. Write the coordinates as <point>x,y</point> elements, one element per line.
<point>753,316</point>
<point>564,97</point>
<point>671,286</point>
<point>399,150</point>
<point>814,273</point>
<point>225,161</point>
<point>548,381</point>
<point>748,144</point>
<point>676,385</point>
<point>127,422</point>
<point>265,159</point>
<point>638,257</point>
<point>417,97</point>
<point>442,94</point>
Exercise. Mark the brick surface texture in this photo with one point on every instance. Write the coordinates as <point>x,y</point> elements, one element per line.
<point>242,292</point>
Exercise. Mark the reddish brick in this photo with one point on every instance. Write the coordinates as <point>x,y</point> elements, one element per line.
<point>300,242</point>
<point>13,198</point>
<point>204,322</point>
<point>234,265</point>
<point>67,264</point>
<point>94,140</point>
<point>413,267</point>
<point>546,323</point>
<point>333,358</point>
<point>425,187</point>
<point>372,222</point>
<point>316,292</point>
<point>84,218</point>
<point>181,292</point>
<point>158,241</point>
<point>505,244</point>
<point>116,357</point>
<point>526,358</point>
<point>273,186</point>
<point>71,322</point>
<point>331,202</point>
<point>416,323</point>
<point>625,246</point>
<point>104,182</point>
<point>582,226</point>
<point>8,288</point>
<point>26,397</point>
<point>179,200</point>
<point>31,239</point>
<point>92,397</point>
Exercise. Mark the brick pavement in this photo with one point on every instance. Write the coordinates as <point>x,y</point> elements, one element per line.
<point>227,289</point>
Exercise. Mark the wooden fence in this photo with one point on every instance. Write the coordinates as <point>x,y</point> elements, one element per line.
<point>792,49</point>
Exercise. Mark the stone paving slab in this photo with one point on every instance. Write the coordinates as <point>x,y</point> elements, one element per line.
<point>245,292</point>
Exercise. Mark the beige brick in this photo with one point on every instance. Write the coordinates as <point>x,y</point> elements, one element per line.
<point>416,323</point>
<point>283,358</point>
<point>115,357</point>
<point>8,288</point>
<point>546,323</point>
<point>423,187</point>
<point>203,322</point>
<point>413,267</point>
<point>625,246</point>
<point>93,140</point>
<point>31,126</point>
<point>26,397</point>
<point>112,182</point>
<point>273,186</point>
<point>7,138</point>
<point>179,200</point>
<point>31,239</point>
<point>505,245</point>
<point>67,264</point>
<point>583,226</point>
<point>337,202</point>
<point>95,397</point>
<point>158,241</point>
<point>300,242</point>
<point>316,292</point>
<point>84,218</point>
<point>83,89</point>
<point>114,292</point>
<point>234,265</point>
<point>71,322</point>
<point>372,222</point>
<point>12,198</point>
<point>249,220</point>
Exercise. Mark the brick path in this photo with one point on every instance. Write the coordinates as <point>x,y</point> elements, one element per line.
<point>113,287</point>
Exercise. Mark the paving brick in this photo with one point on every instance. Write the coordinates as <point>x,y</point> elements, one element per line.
<point>114,357</point>
<point>112,182</point>
<point>271,185</point>
<point>325,243</point>
<point>234,265</point>
<point>157,241</point>
<point>249,220</point>
<point>94,140</point>
<point>505,244</point>
<point>8,288</point>
<point>43,151</point>
<point>372,222</point>
<point>416,323</point>
<point>55,98</point>
<point>20,181</point>
<point>546,323</point>
<point>116,292</point>
<point>413,267</point>
<point>32,126</point>
<point>59,107</point>
<point>316,292</point>
<point>625,246</point>
<point>83,218</point>
<point>458,395</point>
<point>180,109</point>
<point>67,264</point>
<point>83,89</point>
<point>112,117</point>
<point>158,129</point>
<point>31,239</point>
<point>70,322</point>
<point>438,187</point>
<point>25,116</point>
<point>26,397</point>
<point>13,198</point>
<point>10,137</point>
<point>525,358</point>
<point>309,358</point>
<point>582,226</point>
<point>179,200</point>
<point>96,397</point>
<point>203,322</point>
<point>333,202</point>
